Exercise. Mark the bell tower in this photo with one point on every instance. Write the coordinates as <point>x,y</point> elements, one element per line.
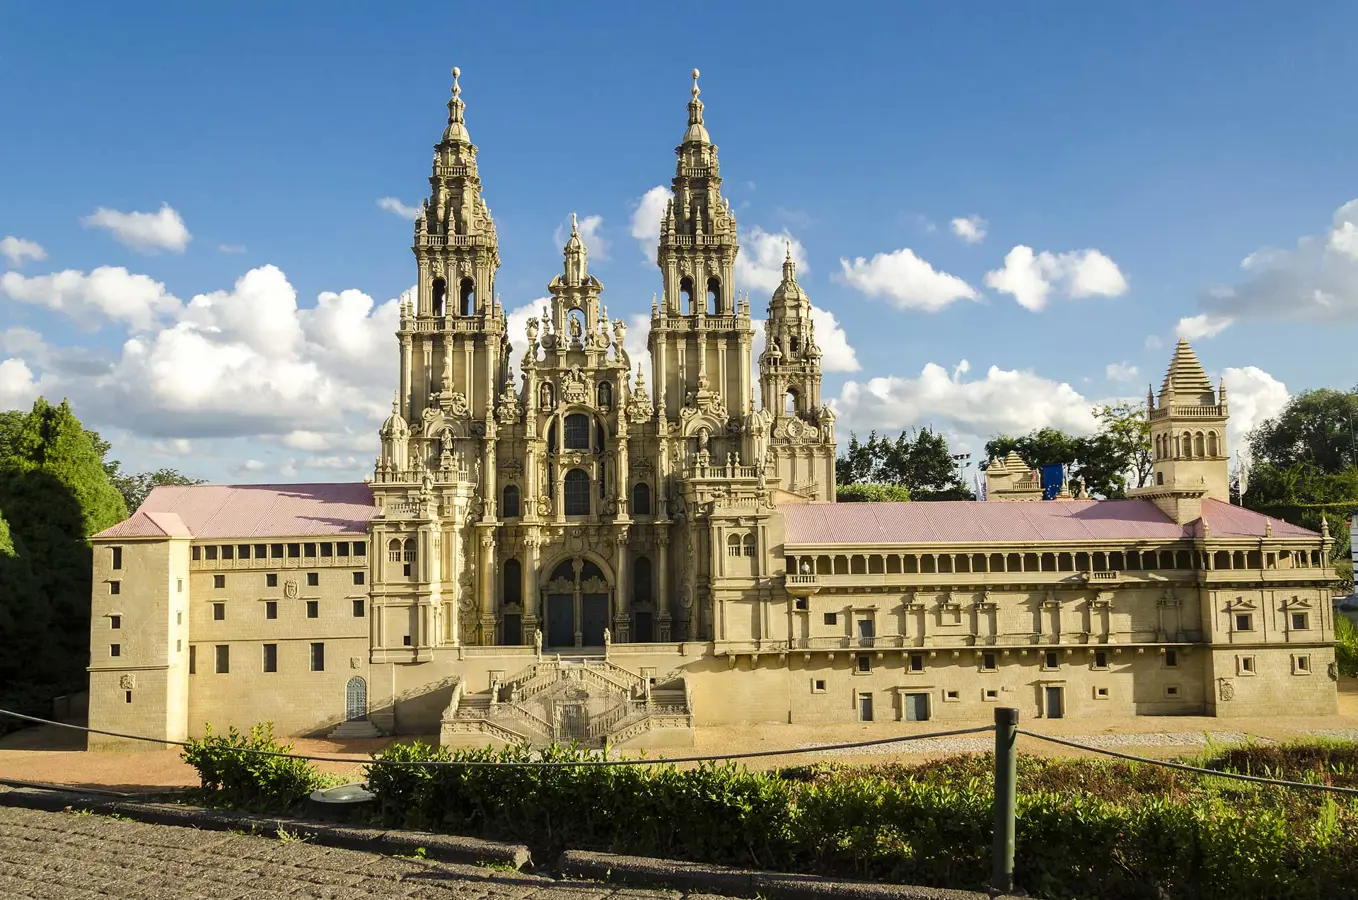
<point>701,335</point>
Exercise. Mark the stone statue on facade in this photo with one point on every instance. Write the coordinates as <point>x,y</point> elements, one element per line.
<point>537,642</point>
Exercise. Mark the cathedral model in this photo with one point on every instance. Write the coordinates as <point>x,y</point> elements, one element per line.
<point>578,556</point>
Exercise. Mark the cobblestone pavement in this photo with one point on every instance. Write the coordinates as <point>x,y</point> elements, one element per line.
<point>69,856</point>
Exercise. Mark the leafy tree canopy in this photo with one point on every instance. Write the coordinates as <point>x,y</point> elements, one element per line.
<point>869,492</point>
<point>1104,462</point>
<point>922,464</point>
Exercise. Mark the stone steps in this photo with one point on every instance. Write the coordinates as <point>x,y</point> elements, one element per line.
<point>348,731</point>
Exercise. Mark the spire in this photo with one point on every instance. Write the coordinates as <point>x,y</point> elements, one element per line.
<point>1150,398</point>
<point>1186,376</point>
<point>576,255</point>
<point>457,127</point>
<point>696,131</point>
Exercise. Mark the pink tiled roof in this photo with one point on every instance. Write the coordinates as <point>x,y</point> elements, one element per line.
<point>210,511</point>
<point>963,521</point>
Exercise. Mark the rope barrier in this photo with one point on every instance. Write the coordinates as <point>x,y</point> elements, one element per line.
<point>542,764</point>
<point>1254,779</point>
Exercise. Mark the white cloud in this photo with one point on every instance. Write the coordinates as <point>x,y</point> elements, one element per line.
<point>837,356</point>
<point>16,250</point>
<point>905,280</point>
<point>1031,277</point>
<point>310,441</point>
<point>1253,395</point>
<point>591,235</point>
<point>1154,342</point>
<point>759,267</point>
<point>230,248</point>
<point>393,205</point>
<point>252,465</point>
<point>18,387</point>
<point>1201,326</point>
<point>971,229</point>
<point>1002,402</point>
<point>143,232</point>
<point>110,292</point>
<point>1317,280</point>
<point>645,225</point>
<point>1121,372</point>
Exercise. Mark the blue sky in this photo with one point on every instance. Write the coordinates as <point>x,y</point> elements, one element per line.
<point>1140,154</point>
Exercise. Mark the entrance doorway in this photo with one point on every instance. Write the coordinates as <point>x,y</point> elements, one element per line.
<point>1054,707</point>
<point>916,707</point>
<point>865,707</point>
<point>560,620</point>
<point>595,610</point>
<point>642,630</point>
<point>356,700</point>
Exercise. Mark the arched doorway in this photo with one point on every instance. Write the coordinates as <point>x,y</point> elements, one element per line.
<point>576,601</point>
<point>356,700</point>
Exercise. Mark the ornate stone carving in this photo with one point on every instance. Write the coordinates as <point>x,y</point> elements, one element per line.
<point>1227,689</point>
<point>290,589</point>
<point>127,682</point>
<point>509,411</point>
<point>574,388</point>
<point>457,405</point>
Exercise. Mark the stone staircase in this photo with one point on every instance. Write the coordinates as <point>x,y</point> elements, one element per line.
<point>354,730</point>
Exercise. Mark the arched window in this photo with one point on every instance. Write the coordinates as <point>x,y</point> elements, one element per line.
<point>605,395</point>
<point>790,402</point>
<point>641,581</point>
<point>513,581</point>
<point>1199,445</point>
<point>577,493</point>
<point>467,296</point>
<point>551,437</point>
<point>641,499</point>
<point>393,550</point>
<point>601,434</point>
<point>1186,445</point>
<point>408,557</point>
<point>686,296</point>
<point>1212,449</point>
<point>577,431</point>
<point>749,545</point>
<point>733,545</point>
<point>440,295</point>
<point>510,507</point>
<point>1158,441</point>
<point>713,295</point>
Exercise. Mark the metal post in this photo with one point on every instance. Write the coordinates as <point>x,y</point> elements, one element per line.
<point>1006,782</point>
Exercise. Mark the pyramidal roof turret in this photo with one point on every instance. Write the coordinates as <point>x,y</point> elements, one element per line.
<point>1186,375</point>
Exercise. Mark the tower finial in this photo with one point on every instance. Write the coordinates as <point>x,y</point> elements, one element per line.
<point>696,131</point>
<point>457,127</point>
<point>574,228</point>
<point>696,92</point>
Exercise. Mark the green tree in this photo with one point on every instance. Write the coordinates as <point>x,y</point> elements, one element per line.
<point>1100,462</point>
<point>1128,431</point>
<point>922,464</point>
<point>870,492</point>
<point>1319,427</point>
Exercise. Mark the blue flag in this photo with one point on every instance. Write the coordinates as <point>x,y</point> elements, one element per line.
<point>1053,477</point>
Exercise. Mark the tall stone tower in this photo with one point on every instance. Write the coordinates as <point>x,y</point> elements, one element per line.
<point>1188,439</point>
<point>802,448</point>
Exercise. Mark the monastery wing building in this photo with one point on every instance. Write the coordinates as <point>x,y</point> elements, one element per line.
<point>577,555</point>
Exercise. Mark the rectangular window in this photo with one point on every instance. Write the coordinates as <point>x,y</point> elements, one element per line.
<point>309,550</point>
<point>866,628</point>
<point>1246,665</point>
<point>275,551</point>
<point>270,609</point>
<point>271,579</point>
<point>818,686</point>
<point>179,585</point>
<point>115,587</point>
<point>179,617</point>
<point>210,552</point>
<point>832,618</point>
<point>115,622</point>
<point>1171,659</point>
<point>218,612</point>
<point>219,581</point>
<point>270,657</point>
<point>952,695</point>
<point>261,551</point>
<point>227,552</point>
<point>242,551</point>
<point>313,609</point>
<point>864,663</point>
<point>327,549</point>
<point>117,557</point>
<point>128,696</point>
<point>313,579</point>
<point>1299,622</point>
<point>1051,660</point>
<point>1101,693</point>
<point>318,657</point>
<point>360,577</point>
<point>294,551</point>
<point>178,645</point>
<point>360,548</point>
<point>1301,665</point>
<point>115,649</point>
<point>223,659</point>
<point>1244,622</point>
<point>916,662</point>
<point>988,662</point>
<point>1100,659</point>
<point>992,694</point>
<point>193,659</point>
<point>405,570</point>
<point>406,640</point>
<point>358,609</point>
<point>1171,691</point>
<point>342,548</point>
<point>196,553</point>
<point>800,603</point>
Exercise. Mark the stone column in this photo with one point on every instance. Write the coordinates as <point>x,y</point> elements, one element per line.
<point>578,605</point>
<point>406,411</point>
<point>528,501</point>
<point>624,498</point>
<point>490,496</point>
<point>487,585</point>
<point>621,620</point>
<point>447,384</point>
<point>531,600</point>
<point>663,569</point>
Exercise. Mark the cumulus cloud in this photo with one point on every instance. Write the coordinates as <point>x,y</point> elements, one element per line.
<point>393,205</point>
<point>1004,401</point>
<point>837,354</point>
<point>18,387</point>
<point>1317,280</point>
<point>971,229</point>
<point>1121,372</point>
<point>905,281</point>
<point>108,292</point>
<point>1205,325</point>
<point>1254,395</point>
<point>645,224</point>
<point>144,232</point>
<point>759,267</point>
<point>1031,277</point>
<point>591,235</point>
<point>16,250</point>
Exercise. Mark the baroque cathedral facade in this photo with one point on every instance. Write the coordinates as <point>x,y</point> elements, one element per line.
<point>551,549</point>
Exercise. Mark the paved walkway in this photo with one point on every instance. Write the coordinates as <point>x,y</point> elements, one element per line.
<point>68,856</point>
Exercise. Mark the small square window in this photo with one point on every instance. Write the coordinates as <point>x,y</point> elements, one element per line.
<point>115,587</point>
<point>1301,665</point>
<point>270,657</point>
<point>261,551</point>
<point>864,663</point>
<point>210,552</point>
<point>358,609</point>
<point>360,548</point>
<point>218,612</point>
<point>327,549</point>
<point>360,577</point>
<point>799,603</point>
<point>818,686</point>
<point>309,550</point>
<point>270,609</point>
<point>271,579</point>
<point>313,609</point>
<point>988,662</point>
<point>228,552</point>
<point>1171,659</point>
<point>1171,690</point>
<point>991,694</point>
<point>219,581</point>
<point>115,649</point>
<point>242,551</point>
<point>313,579</point>
<point>117,557</point>
<point>1051,660</point>
<point>342,548</point>
<point>294,551</point>
<point>832,618</point>
<point>115,622</point>
<point>952,695</point>
<point>1299,622</point>
<point>1244,622</point>
<point>1101,693</point>
<point>1246,665</point>
<point>916,662</point>
<point>406,640</point>
<point>275,551</point>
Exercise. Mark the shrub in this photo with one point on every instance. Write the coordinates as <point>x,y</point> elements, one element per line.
<point>230,776</point>
<point>871,492</point>
<point>1346,645</point>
